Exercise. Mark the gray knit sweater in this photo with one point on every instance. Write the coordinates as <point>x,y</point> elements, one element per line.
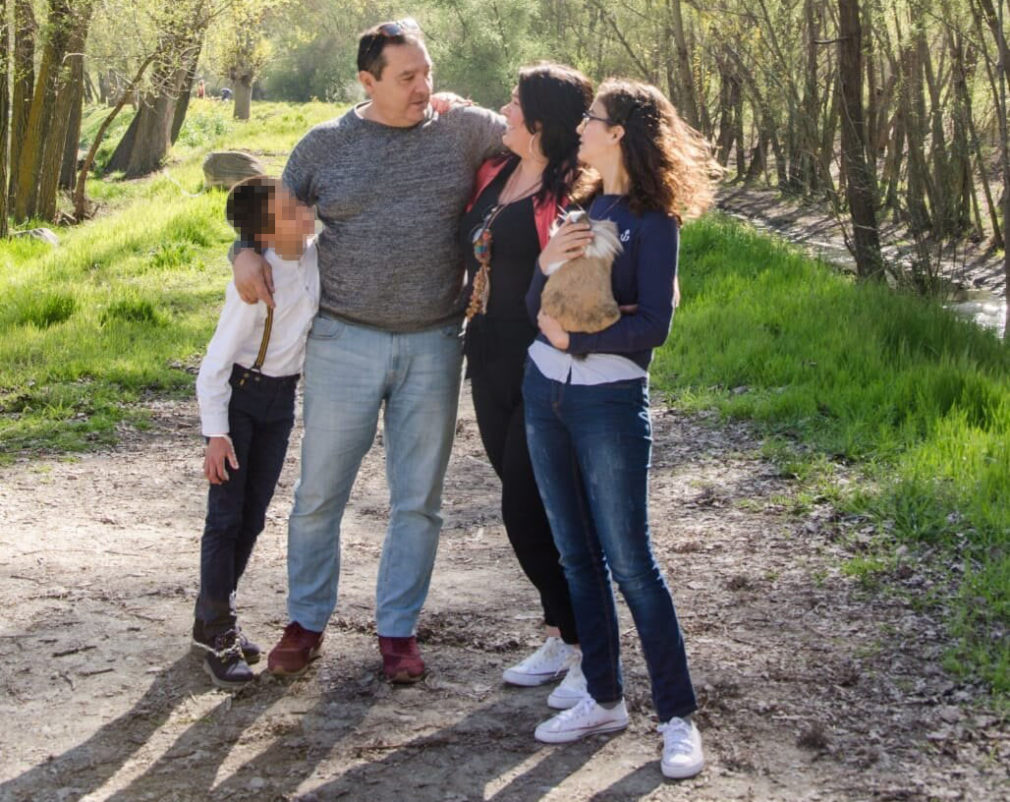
<point>390,200</point>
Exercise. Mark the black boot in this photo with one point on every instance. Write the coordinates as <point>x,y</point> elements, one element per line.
<point>224,662</point>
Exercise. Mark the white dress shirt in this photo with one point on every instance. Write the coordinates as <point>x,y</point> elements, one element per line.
<point>239,334</point>
<point>590,369</point>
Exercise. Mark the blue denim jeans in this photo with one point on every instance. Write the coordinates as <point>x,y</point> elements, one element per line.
<point>590,447</point>
<point>351,373</point>
<point>260,416</point>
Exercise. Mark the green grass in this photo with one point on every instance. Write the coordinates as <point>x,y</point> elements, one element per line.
<point>123,309</point>
<point>833,370</point>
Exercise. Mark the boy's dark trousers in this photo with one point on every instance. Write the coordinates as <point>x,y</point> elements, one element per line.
<point>260,418</point>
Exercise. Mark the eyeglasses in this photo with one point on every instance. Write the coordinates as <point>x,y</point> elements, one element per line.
<point>388,30</point>
<point>587,116</point>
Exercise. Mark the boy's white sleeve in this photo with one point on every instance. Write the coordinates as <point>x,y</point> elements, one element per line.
<point>236,325</point>
<point>311,263</point>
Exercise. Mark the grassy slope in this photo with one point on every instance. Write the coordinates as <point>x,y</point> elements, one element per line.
<point>834,370</point>
<point>830,369</point>
<point>125,305</point>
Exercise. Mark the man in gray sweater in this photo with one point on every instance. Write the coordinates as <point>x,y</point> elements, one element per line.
<point>389,180</point>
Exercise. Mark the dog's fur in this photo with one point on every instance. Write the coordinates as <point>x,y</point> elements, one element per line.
<point>578,292</point>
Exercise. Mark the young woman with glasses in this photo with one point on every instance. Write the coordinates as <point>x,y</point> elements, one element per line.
<point>587,413</point>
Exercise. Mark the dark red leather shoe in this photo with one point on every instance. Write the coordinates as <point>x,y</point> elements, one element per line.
<point>401,660</point>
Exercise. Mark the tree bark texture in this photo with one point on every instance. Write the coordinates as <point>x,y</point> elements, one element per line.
<point>860,186</point>
<point>25,32</point>
<point>28,170</point>
<point>5,61</point>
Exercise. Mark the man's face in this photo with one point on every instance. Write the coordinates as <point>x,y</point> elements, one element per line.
<point>400,98</point>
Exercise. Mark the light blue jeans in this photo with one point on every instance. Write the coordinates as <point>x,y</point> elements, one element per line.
<point>351,372</point>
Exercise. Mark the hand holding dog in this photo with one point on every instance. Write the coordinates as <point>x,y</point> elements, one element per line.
<point>568,242</point>
<point>552,330</point>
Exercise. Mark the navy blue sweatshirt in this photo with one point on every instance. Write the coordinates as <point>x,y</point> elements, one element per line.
<point>642,274</point>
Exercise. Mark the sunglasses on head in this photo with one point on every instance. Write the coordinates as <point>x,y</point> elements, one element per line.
<point>390,30</point>
<point>399,27</point>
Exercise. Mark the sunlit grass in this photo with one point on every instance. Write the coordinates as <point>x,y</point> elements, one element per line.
<point>124,307</point>
<point>916,397</point>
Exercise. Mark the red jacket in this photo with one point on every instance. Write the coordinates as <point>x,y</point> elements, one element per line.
<point>544,211</point>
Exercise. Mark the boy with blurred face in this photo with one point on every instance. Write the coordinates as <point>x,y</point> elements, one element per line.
<point>389,180</point>
<point>246,390</point>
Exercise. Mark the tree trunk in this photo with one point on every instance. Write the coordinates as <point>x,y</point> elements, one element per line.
<point>146,143</point>
<point>75,102</point>
<point>191,62</point>
<point>860,186</point>
<point>56,134</point>
<point>243,96</point>
<point>685,75</point>
<point>914,129</point>
<point>25,31</point>
<point>5,59</point>
<point>28,171</point>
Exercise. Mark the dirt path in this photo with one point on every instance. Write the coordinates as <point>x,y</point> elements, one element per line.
<point>811,687</point>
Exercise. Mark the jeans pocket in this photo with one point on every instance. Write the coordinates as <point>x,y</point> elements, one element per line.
<point>326,328</point>
<point>454,332</point>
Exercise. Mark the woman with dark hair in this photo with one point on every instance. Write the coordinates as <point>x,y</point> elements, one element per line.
<point>504,229</point>
<point>587,413</point>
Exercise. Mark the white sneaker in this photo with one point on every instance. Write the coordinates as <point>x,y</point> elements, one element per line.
<point>546,664</point>
<point>586,718</point>
<point>572,689</point>
<point>682,755</point>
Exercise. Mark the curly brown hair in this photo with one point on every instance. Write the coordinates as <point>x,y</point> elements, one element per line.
<point>669,163</point>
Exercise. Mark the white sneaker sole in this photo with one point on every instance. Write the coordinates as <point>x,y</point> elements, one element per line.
<point>524,680</point>
<point>683,772</point>
<point>570,736</point>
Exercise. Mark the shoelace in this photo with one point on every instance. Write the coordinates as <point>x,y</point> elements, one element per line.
<point>581,710</point>
<point>227,645</point>
<point>544,654</point>
<point>676,736</point>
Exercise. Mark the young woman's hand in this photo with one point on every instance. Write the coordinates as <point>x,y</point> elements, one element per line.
<point>254,279</point>
<point>552,330</point>
<point>219,451</point>
<point>569,241</point>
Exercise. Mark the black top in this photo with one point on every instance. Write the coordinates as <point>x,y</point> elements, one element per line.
<point>505,332</point>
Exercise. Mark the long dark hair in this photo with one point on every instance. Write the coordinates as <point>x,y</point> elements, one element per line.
<point>669,163</point>
<point>552,98</point>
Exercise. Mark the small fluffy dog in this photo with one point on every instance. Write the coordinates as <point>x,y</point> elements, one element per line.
<point>578,292</point>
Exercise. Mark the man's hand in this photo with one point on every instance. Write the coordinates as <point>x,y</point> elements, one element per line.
<point>568,242</point>
<point>254,279</point>
<point>219,450</point>
<point>552,330</point>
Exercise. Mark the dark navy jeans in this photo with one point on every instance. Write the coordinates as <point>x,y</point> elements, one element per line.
<point>260,417</point>
<point>590,446</point>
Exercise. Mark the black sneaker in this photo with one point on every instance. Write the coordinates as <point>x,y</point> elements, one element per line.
<point>225,664</point>
<point>250,651</point>
<point>203,643</point>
